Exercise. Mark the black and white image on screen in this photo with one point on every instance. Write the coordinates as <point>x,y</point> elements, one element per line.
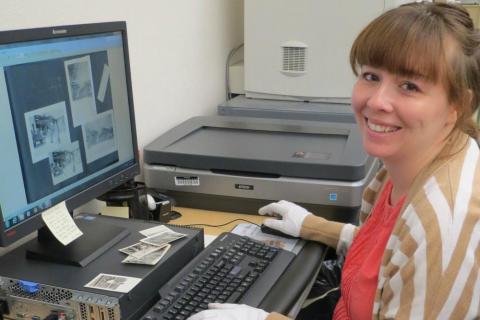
<point>80,89</point>
<point>47,97</point>
<point>47,130</point>
<point>65,162</point>
<point>99,136</point>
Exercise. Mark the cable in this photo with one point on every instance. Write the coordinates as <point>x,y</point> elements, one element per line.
<point>310,301</point>
<point>219,225</point>
<point>227,70</point>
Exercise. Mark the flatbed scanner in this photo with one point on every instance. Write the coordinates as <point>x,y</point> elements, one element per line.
<point>238,164</point>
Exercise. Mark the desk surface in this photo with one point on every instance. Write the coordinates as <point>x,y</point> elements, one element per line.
<point>199,216</point>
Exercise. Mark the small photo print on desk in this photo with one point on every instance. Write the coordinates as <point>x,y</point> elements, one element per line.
<point>150,259</point>
<point>155,230</point>
<point>139,249</point>
<point>162,238</point>
<point>112,282</point>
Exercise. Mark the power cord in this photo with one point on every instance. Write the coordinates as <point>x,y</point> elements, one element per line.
<point>218,225</point>
<point>313,300</point>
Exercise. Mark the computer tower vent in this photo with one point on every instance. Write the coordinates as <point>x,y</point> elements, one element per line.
<point>111,313</point>
<point>294,58</point>
<point>83,311</point>
<point>45,294</point>
<point>87,313</point>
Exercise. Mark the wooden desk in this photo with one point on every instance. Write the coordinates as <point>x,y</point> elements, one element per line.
<point>199,216</point>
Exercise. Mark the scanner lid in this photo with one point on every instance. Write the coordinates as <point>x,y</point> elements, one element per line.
<point>274,147</point>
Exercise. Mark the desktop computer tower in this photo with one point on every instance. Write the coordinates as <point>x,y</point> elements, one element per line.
<point>59,289</point>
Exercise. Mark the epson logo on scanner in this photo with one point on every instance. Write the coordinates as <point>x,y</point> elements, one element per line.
<point>244,186</point>
<point>59,31</point>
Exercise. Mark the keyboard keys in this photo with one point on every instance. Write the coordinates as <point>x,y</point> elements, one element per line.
<point>224,275</point>
<point>236,270</point>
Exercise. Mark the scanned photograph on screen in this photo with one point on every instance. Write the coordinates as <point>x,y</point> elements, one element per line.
<point>102,89</point>
<point>36,85</point>
<point>99,136</point>
<point>80,89</point>
<point>65,162</point>
<point>47,129</point>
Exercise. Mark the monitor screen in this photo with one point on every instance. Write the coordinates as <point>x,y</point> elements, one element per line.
<point>67,125</point>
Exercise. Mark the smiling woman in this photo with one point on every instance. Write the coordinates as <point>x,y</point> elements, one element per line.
<point>401,118</point>
<point>416,253</point>
<point>434,43</point>
<point>418,82</point>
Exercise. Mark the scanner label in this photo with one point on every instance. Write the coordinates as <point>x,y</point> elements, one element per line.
<point>190,181</point>
<point>243,186</point>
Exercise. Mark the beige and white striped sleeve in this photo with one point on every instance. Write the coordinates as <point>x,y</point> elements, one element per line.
<point>431,266</point>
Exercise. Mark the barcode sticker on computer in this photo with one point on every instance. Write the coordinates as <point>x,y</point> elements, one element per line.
<point>191,181</point>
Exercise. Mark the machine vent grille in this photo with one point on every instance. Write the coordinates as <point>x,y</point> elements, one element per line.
<point>83,311</point>
<point>45,294</point>
<point>111,314</point>
<point>294,59</point>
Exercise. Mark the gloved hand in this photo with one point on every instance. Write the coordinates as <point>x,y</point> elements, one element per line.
<point>230,311</point>
<point>292,216</point>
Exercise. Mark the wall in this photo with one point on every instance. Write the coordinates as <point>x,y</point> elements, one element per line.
<point>177,51</point>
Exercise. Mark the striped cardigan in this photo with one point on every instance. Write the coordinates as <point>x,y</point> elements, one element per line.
<point>431,265</point>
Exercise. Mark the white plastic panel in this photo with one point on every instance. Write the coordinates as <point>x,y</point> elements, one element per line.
<point>326,29</point>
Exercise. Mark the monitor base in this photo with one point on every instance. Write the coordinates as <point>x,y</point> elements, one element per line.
<point>97,238</point>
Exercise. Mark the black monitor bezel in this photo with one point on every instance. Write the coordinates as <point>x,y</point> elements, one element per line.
<point>29,225</point>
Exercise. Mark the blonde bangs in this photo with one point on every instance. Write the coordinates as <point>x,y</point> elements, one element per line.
<point>412,49</point>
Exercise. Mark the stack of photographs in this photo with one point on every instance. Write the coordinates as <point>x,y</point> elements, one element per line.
<point>151,249</point>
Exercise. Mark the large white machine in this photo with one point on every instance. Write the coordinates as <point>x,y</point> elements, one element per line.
<point>299,49</point>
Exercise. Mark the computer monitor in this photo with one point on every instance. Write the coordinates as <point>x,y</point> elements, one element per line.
<point>67,130</point>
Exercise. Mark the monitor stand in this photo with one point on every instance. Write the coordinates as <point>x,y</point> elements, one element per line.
<point>97,238</point>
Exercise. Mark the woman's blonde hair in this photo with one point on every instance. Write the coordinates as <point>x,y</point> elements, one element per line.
<point>435,41</point>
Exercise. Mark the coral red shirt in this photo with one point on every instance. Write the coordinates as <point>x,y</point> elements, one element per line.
<point>362,263</point>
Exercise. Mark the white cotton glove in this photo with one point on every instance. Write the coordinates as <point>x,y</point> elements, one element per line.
<point>292,217</point>
<point>230,311</point>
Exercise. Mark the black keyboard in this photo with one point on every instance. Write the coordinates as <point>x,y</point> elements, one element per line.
<point>232,269</point>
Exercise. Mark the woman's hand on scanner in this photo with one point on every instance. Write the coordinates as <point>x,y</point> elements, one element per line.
<point>292,217</point>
